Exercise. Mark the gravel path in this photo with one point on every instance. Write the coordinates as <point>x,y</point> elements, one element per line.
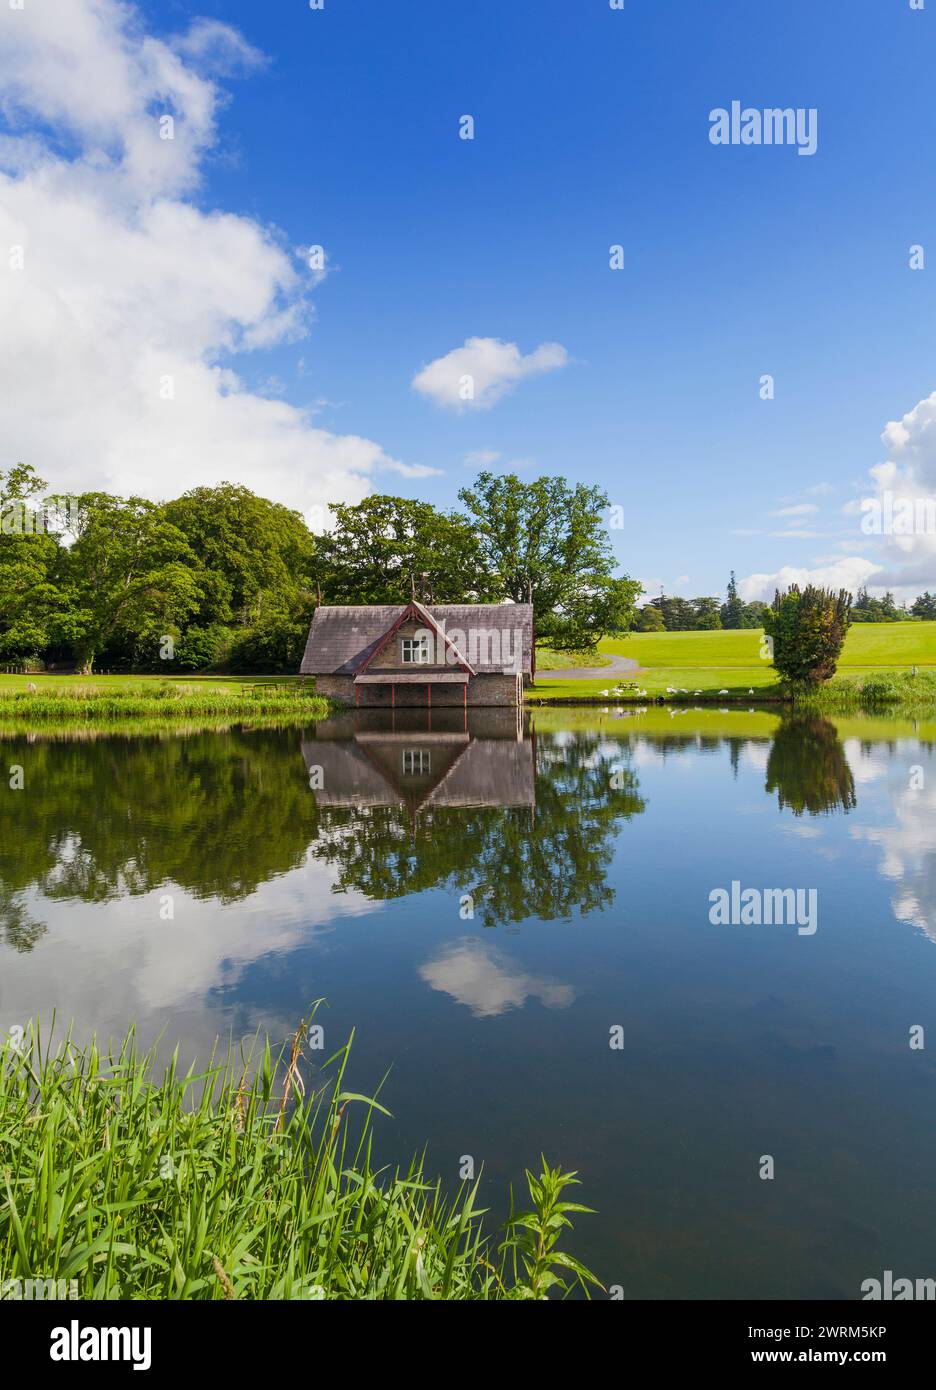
<point>620,666</point>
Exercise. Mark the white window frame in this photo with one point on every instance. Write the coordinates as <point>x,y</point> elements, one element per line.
<point>416,762</point>
<point>416,651</point>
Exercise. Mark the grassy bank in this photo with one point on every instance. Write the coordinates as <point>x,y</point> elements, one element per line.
<point>148,702</point>
<point>874,690</point>
<point>236,1183</point>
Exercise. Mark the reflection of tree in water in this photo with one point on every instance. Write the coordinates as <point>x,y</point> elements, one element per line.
<point>216,814</point>
<point>515,862</point>
<point>17,928</point>
<point>808,769</point>
<point>219,814</point>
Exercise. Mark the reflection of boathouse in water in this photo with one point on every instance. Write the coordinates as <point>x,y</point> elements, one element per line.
<point>409,760</point>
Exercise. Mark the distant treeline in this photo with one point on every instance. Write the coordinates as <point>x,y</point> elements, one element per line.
<point>671,614</point>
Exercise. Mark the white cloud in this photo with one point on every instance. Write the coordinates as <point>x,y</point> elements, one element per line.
<point>801,509</point>
<point>850,573</point>
<point>128,289</point>
<point>909,473</point>
<point>475,376</point>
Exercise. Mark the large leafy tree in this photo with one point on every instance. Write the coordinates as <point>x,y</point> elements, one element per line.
<point>383,548</point>
<point>546,542</point>
<point>127,570</point>
<point>255,557</point>
<point>28,555</point>
<point>807,628</point>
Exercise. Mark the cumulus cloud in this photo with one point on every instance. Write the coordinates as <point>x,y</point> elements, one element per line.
<point>477,375</point>
<point>850,572</point>
<point>909,475</point>
<point>123,302</point>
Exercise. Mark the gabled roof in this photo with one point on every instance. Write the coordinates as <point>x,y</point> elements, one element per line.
<point>465,771</point>
<point>415,612</point>
<point>343,639</point>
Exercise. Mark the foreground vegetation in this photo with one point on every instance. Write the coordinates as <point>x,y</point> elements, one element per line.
<point>152,702</point>
<point>233,1183</point>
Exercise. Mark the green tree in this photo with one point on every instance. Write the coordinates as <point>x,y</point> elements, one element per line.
<point>546,543</point>
<point>808,629</point>
<point>28,557</point>
<point>925,606</point>
<point>129,570</point>
<point>383,548</point>
<point>678,613</point>
<point>732,610</point>
<point>707,614</point>
<point>255,558</point>
<point>650,619</point>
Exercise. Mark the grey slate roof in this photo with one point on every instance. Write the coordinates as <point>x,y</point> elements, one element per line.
<point>482,771</point>
<point>342,638</point>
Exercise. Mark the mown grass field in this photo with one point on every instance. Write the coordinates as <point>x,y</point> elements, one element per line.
<point>705,664</point>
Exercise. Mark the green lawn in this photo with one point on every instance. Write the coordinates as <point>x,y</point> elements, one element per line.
<point>888,645</point>
<point>714,662</point>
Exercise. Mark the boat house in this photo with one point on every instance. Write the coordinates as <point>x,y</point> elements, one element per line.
<point>443,655</point>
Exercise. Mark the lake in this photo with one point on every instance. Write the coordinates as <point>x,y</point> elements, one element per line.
<point>517,920</point>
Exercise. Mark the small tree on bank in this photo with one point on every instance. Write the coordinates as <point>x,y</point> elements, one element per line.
<point>807,628</point>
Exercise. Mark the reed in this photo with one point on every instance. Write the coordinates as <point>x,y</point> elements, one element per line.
<point>879,692</point>
<point>163,703</point>
<point>242,1181</point>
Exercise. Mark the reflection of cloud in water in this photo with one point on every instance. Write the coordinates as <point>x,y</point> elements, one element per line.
<point>866,765</point>
<point>104,965</point>
<point>488,982</point>
<point>908,847</point>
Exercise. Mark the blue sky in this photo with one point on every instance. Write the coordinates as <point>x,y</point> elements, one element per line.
<point>591,130</point>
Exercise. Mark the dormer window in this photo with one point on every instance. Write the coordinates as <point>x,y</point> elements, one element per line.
<point>416,762</point>
<point>416,651</point>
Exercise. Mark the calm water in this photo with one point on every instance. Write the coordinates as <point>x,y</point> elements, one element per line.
<point>586,849</point>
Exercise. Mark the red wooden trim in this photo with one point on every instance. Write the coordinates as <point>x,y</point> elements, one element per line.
<point>412,610</point>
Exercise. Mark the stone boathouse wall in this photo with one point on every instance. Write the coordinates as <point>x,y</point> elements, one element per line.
<point>491,690</point>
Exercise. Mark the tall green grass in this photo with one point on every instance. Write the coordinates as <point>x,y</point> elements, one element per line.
<point>236,1182</point>
<point>873,693</point>
<point>171,701</point>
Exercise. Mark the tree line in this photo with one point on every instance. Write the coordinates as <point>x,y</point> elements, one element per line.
<point>223,579</point>
<point>669,613</point>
